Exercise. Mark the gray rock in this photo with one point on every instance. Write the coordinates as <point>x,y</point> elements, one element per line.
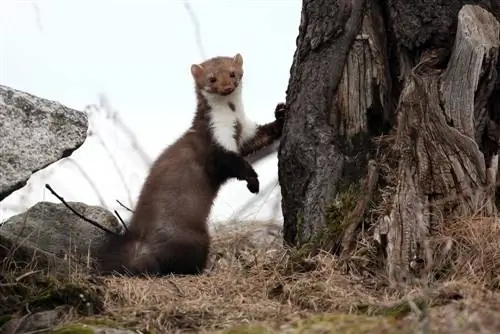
<point>47,322</point>
<point>54,228</point>
<point>38,322</point>
<point>26,252</point>
<point>34,133</point>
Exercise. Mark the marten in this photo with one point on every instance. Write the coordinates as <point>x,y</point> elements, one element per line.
<point>168,232</point>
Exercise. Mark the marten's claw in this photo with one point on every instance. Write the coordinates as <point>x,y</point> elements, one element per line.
<point>253,185</point>
<point>280,111</point>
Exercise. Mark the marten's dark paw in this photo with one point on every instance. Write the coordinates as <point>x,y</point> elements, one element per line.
<point>280,111</point>
<point>253,185</point>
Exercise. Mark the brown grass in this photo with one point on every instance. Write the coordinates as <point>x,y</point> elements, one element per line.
<point>262,290</point>
<point>474,255</point>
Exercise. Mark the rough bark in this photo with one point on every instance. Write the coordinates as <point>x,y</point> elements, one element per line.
<point>326,143</point>
<point>420,75</point>
<point>310,161</point>
<point>441,118</point>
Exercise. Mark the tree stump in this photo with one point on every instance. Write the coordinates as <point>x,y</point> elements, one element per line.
<point>408,108</point>
<point>441,119</point>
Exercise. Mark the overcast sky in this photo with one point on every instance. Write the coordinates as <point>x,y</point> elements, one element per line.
<point>138,53</point>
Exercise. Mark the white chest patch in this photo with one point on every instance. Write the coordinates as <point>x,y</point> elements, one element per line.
<point>223,120</point>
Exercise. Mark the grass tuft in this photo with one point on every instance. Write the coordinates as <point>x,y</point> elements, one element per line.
<point>250,288</point>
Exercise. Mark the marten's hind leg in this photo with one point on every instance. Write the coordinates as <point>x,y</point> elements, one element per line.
<point>183,255</point>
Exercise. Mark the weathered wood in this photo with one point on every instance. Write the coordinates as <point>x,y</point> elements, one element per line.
<point>364,95</point>
<point>310,161</point>
<point>355,218</point>
<point>365,105</point>
<point>440,120</point>
<point>465,90</point>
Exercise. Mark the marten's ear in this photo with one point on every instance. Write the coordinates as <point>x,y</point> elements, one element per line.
<point>238,60</point>
<point>196,71</point>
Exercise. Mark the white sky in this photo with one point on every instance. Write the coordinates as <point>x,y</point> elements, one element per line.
<point>138,53</point>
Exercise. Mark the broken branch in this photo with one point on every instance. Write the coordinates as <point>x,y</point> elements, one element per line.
<point>79,215</point>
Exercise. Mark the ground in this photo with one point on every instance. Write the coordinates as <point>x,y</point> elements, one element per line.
<point>252,289</point>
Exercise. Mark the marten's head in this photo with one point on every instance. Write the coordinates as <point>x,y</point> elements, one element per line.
<point>218,75</point>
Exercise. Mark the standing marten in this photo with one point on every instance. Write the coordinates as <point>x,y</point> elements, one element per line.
<point>168,231</point>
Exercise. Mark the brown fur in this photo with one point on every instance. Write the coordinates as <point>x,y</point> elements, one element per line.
<point>226,71</point>
<point>168,231</point>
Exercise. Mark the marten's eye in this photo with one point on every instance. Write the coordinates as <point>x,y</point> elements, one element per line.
<point>232,74</point>
<point>212,79</point>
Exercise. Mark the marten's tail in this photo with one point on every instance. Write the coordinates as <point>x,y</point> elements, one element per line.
<point>126,255</point>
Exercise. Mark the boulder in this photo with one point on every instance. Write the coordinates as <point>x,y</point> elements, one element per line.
<point>34,133</point>
<point>53,228</point>
<point>47,322</point>
<point>38,322</point>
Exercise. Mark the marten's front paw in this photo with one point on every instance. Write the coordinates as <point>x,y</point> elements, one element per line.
<point>280,111</point>
<point>253,185</point>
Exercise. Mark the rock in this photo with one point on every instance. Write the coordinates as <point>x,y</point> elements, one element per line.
<point>35,322</point>
<point>34,133</point>
<point>26,252</point>
<point>46,322</point>
<point>54,228</point>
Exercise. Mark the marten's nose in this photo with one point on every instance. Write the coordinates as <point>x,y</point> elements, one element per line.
<point>227,89</point>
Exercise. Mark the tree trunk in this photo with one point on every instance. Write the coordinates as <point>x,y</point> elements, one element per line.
<point>310,162</point>
<point>393,111</point>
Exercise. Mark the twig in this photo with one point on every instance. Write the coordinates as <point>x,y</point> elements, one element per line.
<point>121,221</point>
<point>79,215</point>
<point>253,200</point>
<point>125,207</point>
<point>27,274</point>
<point>38,17</point>
<point>115,164</point>
<point>134,142</point>
<point>87,178</point>
<point>196,26</point>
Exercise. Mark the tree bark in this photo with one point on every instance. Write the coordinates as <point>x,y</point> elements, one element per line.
<point>441,119</point>
<point>399,101</point>
<point>310,162</point>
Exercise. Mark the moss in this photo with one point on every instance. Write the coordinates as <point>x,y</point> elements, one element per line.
<point>345,201</point>
<point>343,323</point>
<point>337,213</point>
<point>247,329</point>
<point>74,329</point>
<point>328,323</point>
<point>102,322</point>
<point>111,322</point>
<point>129,323</point>
<point>79,295</point>
<point>397,310</point>
<point>41,291</point>
<point>4,319</point>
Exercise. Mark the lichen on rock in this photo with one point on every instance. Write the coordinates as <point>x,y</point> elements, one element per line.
<point>34,132</point>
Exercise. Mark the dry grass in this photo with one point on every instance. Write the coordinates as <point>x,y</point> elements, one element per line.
<point>261,290</point>
<point>474,255</point>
